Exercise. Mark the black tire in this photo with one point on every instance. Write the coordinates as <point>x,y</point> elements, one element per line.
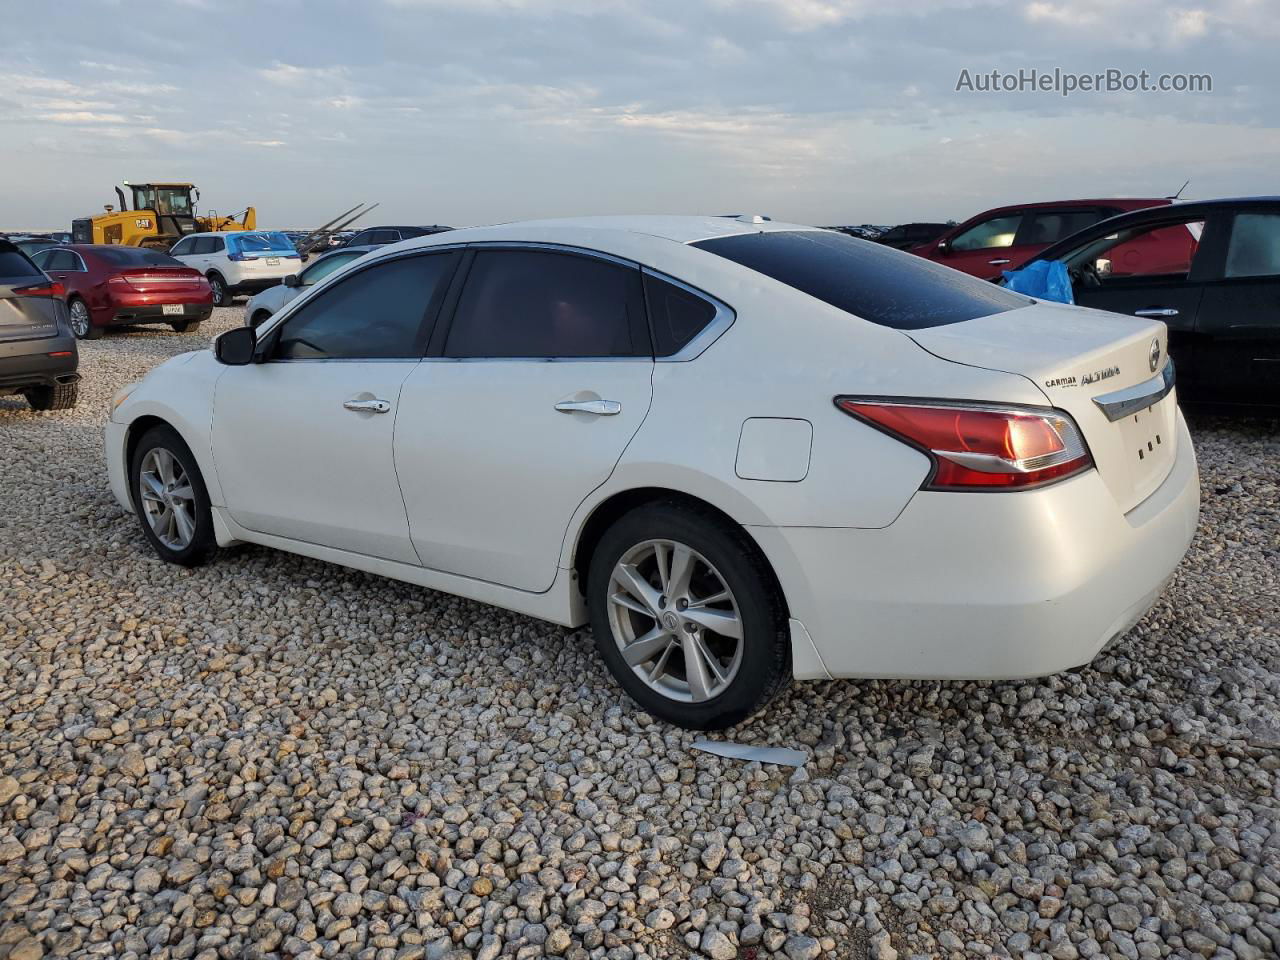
<point>58,396</point>
<point>185,326</point>
<point>81,320</point>
<point>221,295</point>
<point>765,667</point>
<point>202,545</point>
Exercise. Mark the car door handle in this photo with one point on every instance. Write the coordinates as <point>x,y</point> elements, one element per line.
<point>599,408</point>
<point>1156,312</point>
<point>996,263</point>
<point>367,406</point>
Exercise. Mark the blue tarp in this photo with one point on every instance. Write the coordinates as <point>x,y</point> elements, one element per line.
<point>1046,279</point>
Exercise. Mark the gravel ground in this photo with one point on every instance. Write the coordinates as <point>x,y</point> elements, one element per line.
<point>270,756</point>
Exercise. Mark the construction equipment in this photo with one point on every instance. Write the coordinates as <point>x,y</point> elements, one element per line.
<point>159,215</point>
<point>321,238</point>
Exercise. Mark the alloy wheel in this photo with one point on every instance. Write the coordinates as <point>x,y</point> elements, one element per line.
<point>219,291</point>
<point>675,620</point>
<point>167,498</point>
<point>79,318</point>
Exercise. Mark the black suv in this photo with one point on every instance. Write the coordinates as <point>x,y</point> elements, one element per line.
<point>38,356</point>
<point>378,236</point>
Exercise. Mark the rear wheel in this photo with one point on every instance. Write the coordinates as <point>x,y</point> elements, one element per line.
<point>185,326</point>
<point>58,396</point>
<point>221,295</point>
<point>81,322</point>
<point>170,498</point>
<point>687,616</point>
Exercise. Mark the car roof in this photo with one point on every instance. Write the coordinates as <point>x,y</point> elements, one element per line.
<point>586,230</point>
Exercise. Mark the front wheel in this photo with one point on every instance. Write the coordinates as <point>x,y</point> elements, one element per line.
<point>170,498</point>
<point>221,295</point>
<point>687,616</point>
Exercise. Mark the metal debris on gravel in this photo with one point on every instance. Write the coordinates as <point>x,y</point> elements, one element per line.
<point>273,757</point>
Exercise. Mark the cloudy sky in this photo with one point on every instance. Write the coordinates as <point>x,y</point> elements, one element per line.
<point>475,111</point>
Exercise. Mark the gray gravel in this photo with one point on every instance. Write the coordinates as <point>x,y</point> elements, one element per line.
<point>270,756</point>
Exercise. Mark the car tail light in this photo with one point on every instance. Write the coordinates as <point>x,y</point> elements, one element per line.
<point>238,257</point>
<point>50,289</point>
<point>981,446</point>
<point>119,281</point>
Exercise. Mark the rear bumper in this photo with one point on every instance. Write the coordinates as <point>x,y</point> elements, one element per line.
<point>121,313</point>
<point>255,284</point>
<point>26,363</point>
<point>986,586</point>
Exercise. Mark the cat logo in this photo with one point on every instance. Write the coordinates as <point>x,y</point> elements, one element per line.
<point>142,223</point>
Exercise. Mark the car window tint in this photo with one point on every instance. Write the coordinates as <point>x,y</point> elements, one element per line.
<point>1050,226</point>
<point>676,316</point>
<point>1254,250</point>
<point>1150,250</point>
<point>182,247</point>
<point>376,313</point>
<point>384,236</point>
<point>136,257</point>
<point>322,268</point>
<point>360,238</point>
<point>533,303</point>
<point>989,234</point>
<point>14,265</point>
<point>41,259</point>
<point>216,244</point>
<point>63,260</point>
<point>869,280</point>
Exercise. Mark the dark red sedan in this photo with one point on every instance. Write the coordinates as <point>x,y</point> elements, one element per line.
<point>1007,238</point>
<point>107,285</point>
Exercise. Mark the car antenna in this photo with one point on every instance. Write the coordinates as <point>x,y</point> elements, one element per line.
<point>1180,189</point>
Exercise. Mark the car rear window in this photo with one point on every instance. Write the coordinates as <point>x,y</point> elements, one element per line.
<point>14,265</point>
<point>270,242</point>
<point>871,281</point>
<point>136,257</point>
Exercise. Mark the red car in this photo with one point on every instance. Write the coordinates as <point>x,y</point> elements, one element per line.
<point>108,285</point>
<point>1007,238</point>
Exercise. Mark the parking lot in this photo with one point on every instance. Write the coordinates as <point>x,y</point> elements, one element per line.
<point>272,754</point>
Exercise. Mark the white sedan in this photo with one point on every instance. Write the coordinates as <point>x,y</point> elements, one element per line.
<point>744,451</point>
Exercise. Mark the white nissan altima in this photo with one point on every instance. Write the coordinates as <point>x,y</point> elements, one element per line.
<point>743,451</point>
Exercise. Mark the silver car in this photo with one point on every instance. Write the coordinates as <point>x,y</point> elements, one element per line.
<point>264,304</point>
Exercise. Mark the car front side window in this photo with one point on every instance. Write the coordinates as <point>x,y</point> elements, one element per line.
<point>377,313</point>
<point>321,269</point>
<point>540,304</point>
<point>988,235</point>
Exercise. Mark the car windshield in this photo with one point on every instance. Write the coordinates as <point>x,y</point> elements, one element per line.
<point>869,280</point>
<point>271,242</point>
<point>136,257</point>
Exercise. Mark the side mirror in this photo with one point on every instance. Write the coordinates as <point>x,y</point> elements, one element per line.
<point>944,246</point>
<point>235,347</point>
<point>292,280</point>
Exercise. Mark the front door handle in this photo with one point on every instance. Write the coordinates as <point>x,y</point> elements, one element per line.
<point>1156,312</point>
<point>997,263</point>
<point>367,406</point>
<point>599,408</point>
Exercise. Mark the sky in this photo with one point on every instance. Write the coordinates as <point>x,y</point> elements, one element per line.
<point>480,111</point>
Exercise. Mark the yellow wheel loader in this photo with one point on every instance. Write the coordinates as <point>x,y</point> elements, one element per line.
<point>157,215</point>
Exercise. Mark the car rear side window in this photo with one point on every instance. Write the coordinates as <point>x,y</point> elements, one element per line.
<point>1254,250</point>
<point>543,305</point>
<point>676,315</point>
<point>871,281</point>
<point>375,314</point>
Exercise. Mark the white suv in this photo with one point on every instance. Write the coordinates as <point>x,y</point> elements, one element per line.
<point>243,261</point>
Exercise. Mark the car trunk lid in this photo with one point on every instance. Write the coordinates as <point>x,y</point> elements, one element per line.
<point>163,279</point>
<point>1101,368</point>
<point>24,316</point>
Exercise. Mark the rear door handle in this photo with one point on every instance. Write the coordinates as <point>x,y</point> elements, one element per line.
<point>996,263</point>
<point>599,408</point>
<point>1156,312</point>
<point>367,406</point>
